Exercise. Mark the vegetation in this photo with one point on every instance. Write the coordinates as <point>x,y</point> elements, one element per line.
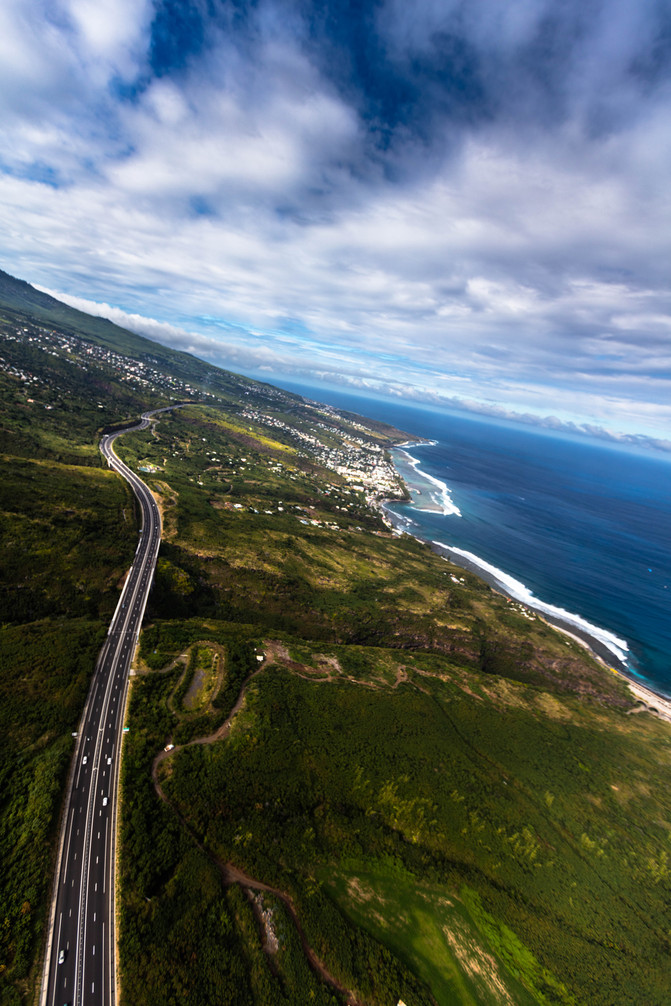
<point>68,529</point>
<point>418,764</point>
<point>387,781</point>
<point>45,670</point>
<point>331,789</point>
<point>184,935</point>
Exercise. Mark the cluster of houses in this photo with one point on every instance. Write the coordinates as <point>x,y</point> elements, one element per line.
<point>363,465</point>
<point>84,354</point>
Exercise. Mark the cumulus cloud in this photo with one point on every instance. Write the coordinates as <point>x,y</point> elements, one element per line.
<point>474,196</point>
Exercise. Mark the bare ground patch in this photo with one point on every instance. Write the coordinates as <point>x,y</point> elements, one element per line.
<point>480,967</point>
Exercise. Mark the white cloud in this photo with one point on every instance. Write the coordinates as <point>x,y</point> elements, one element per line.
<point>529,262</point>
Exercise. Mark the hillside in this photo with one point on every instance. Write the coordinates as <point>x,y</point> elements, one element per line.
<point>19,300</point>
<point>387,781</point>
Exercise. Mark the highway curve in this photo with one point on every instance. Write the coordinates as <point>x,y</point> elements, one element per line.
<point>80,959</point>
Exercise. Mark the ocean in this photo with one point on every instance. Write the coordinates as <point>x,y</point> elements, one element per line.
<point>575,527</point>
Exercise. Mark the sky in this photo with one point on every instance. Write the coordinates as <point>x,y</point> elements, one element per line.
<point>461,202</point>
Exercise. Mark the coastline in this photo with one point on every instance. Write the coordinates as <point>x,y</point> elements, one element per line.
<point>438,498</point>
<point>611,658</point>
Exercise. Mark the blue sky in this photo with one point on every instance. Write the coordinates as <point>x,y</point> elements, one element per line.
<point>465,203</point>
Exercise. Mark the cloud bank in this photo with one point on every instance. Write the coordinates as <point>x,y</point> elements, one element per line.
<point>454,202</point>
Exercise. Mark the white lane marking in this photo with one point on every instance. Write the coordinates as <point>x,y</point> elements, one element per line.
<point>105,849</point>
<point>102,967</point>
<point>58,943</point>
<point>67,840</point>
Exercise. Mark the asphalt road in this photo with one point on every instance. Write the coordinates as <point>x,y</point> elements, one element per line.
<point>80,961</point>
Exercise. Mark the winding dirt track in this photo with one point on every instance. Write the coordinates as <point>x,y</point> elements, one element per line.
<point>229,872</point>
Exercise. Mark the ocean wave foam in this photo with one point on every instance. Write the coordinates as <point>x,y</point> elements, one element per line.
<point>516,589</point>
<point>444,499</point>
<point>417,443</point>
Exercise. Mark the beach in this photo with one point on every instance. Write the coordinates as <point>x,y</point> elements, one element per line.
<point>428,494</point>
<point>651,700</point>
<point>608,649</point>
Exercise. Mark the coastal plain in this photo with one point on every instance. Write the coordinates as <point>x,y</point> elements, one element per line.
<point>353,772</point>
<point>419,767</point>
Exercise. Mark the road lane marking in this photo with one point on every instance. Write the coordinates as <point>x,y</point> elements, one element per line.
<point>69,835</point>
<point>58,943</point>
<point>113,668</point>
<point>105,851</point>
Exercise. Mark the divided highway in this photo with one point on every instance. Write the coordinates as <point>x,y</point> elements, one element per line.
<point>80,963</point>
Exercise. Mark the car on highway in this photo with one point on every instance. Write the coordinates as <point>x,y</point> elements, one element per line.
<point>104,801</point>
<point>61,956</point>
<point>85,759</point>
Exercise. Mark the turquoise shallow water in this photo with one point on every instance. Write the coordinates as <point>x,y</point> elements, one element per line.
<point>583,526</point>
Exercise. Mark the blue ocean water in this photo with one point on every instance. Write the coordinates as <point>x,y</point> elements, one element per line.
<point>582,525</point>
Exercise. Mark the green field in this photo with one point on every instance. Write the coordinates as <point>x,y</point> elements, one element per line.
<point>425,795</point>
<point>430,928</point>
<point>422,729</point>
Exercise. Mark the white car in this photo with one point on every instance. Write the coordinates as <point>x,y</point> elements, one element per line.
<point>104,801</point>
<point>85,759</point>
<point>109,761</point>
<point>61,956</point>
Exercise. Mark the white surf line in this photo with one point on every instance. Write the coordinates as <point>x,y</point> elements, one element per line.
<point>450,508</point>
<point>618,647</point>
<point>409,444</point>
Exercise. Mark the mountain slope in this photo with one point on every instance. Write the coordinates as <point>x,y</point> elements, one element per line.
<point>20,297</point>
<point>439,795</point>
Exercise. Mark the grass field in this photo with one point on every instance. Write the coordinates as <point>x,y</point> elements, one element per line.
<point>477,767</point>
<point>430,928</point>
<point>448,801</point>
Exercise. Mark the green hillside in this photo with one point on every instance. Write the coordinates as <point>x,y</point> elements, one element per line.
<point>451,796</point>
<point>21,298</point>
<point>388,782</point>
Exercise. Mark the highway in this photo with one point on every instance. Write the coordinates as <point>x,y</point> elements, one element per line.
<point>80,961</point>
